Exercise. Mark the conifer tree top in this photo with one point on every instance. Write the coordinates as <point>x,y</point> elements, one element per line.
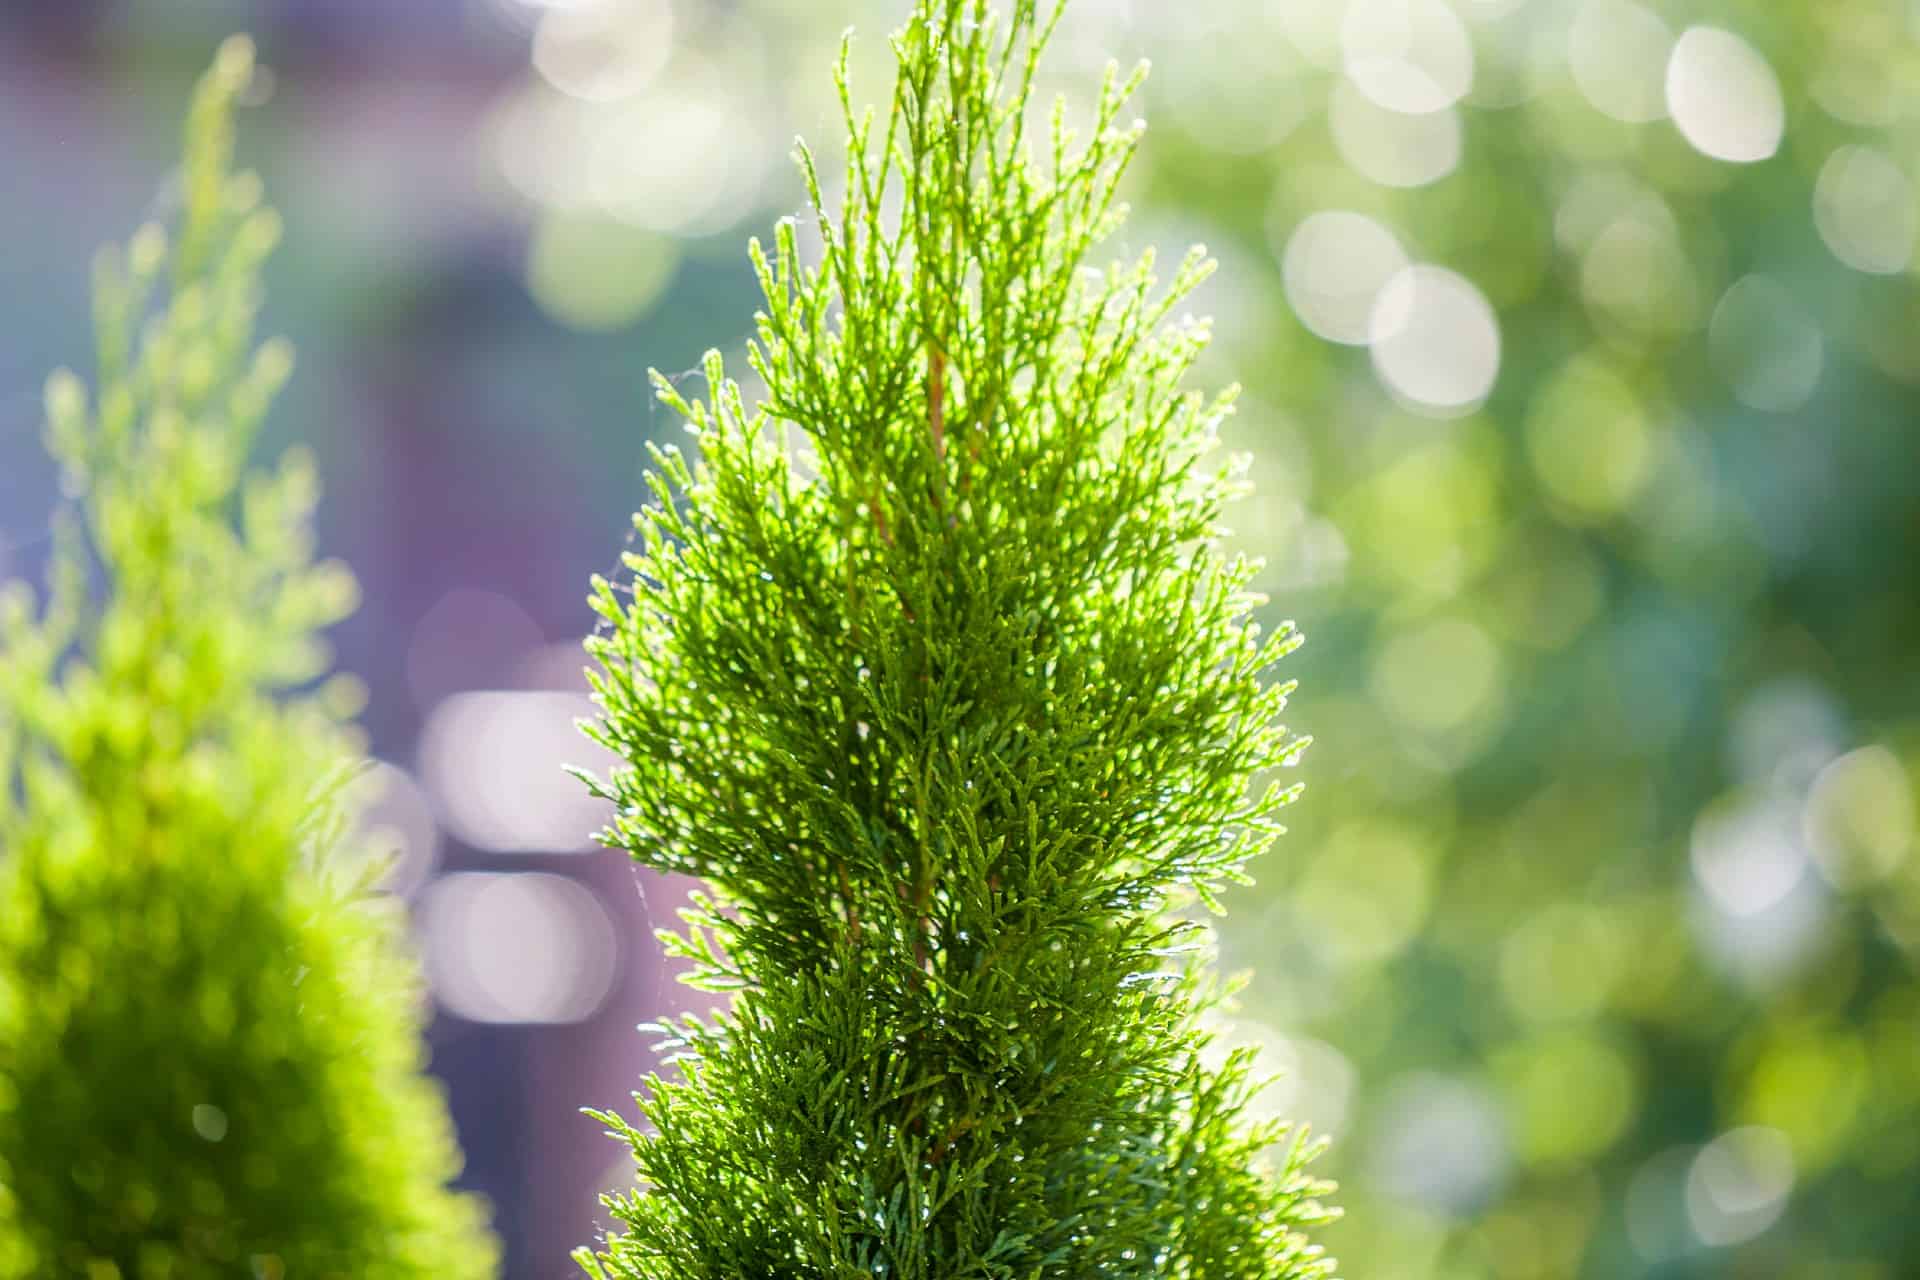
<point>933,671</point>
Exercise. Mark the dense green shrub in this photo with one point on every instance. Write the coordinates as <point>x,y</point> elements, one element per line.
<point>934,672</point>
<point>210,1060</point>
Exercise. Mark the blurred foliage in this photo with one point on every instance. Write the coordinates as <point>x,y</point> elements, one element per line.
<point>210,1061</point>
<point>1580,346</point>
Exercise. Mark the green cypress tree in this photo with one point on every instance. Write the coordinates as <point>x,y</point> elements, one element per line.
<point>934,672</point>
<point>210,1054</point>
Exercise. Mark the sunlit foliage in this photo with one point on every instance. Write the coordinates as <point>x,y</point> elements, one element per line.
<point>210,1059</point>
<point>1606,537</point>
<point>934,671</point>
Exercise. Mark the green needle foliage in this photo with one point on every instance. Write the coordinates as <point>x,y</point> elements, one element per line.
<point>210,1057</point>
<point>934,672</point>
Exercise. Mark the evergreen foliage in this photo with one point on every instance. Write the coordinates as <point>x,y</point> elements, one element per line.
<point>934,672</point>
<point>210,1059</point>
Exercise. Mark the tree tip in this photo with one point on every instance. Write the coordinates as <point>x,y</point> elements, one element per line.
<point>233,65</point>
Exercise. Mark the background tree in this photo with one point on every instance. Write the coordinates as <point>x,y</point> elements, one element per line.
<point>210,1061</point>
<point>935,673</point>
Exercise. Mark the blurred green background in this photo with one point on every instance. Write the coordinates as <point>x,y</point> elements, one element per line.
<point>1582,348</point>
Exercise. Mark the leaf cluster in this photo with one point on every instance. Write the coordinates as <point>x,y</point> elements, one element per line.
<point>932,670</point>
<point>210,1053</point>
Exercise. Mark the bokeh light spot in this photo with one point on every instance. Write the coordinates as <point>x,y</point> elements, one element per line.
<point>1390,147</point>
<point>1859,820</point>
<point>591,272</point>
<point>1367,891</point>
<point>1809,1085</point>
<point>1856,81</point>
<point>1334,266</point>
<point>1617,51</point>
<point>1408,55</point>
<point>1636,274</point>
<point>1240,99</point>
<point>1440,1143</point>
<point>1562,962</point>
<point>543,142</point>
<point>1438,677</point>
<point>1724,97</point>
<point>671,160</point>
<point>1588,438</point>
<point>606,50</point>
<point>1542,1078</point>
<point>1313,27</point>
<point>522,947</point>
<point>1436,341</point>
<point>210,1122</point>
<point>1747,855</point>
<point>494,765</point>
<point>1738,1185</point>
<point>1863,204</point>
<point>1428,521</point>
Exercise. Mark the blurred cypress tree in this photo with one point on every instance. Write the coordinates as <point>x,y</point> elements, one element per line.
<point>934,672</point>
<point>210,1059</point>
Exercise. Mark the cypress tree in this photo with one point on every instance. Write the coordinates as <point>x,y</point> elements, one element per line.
<point>933,670</point>
<point>210,1052</point>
